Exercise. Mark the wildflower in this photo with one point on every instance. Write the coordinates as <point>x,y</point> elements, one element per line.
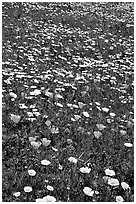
<point>86,114</point>
<point>59,104</point>
<point>56,150</point>
<point>69,141</point>
<point>97,134</point>
<point>88,191</point>
<point>13,95</point>
<point>46,142</point>
<point>60,167</point>
<point>113,182</point>
<point>31,172</point>
<point>49,198</point>
<point>36,145</point>
<point>15,118</point>
<point>109,172</point>
<point>36,92</point>
<point>32,139</point>
<point>50,188</point>
<point>125,186</point>
<point>45,162</point>
<point>72,159</point>
<point>123,132</point>
<point>100,126</point>
<point>85,170</point>
<point>48,123</point>
<point>119,199</point>
<point>112,114</point>
<point>105,178</point>
<point>105,109</point>
<point>39,200</point>
<point>127,144</point>
<point>16,194</point>
<point>28,189</point>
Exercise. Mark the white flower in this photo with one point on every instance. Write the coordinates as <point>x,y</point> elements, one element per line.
<point>125,186</point>
<point>36,145</point>
<point>112,114</point>
<point>45,162</point>
<point>105,109</point>
<point>127,144</point>
<point>36,92</point>
<point>27,189</point>
<point>32,139</point>
<point>16,194</point>
<point>119,199</point>
<point>50,188</point>
<point>109,172</point>
<point>13,95</point>
<point>49,198</point>
<point>39,200</point>
<point>60,167</point>
<point>85,170</point>
<point>97,134</point>
<point>88,191</point>
<point>46,142</point>
<point>123,132</point>
<point>105,178</point>
<point>31,172</point>
<point>100,126</point>
<point>15,118</point>
<point>72,159</point>
<point>86,114</point>
<point>113,182</point>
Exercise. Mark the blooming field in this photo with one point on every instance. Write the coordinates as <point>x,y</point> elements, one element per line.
<point>68,102</point>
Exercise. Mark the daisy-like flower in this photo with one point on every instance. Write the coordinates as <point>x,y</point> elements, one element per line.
<point>97,134</point>
<point>45,162</point>
<point>49,198</point>
<point>28,189</point>
<point>113,182</point>
<point>36,145</point>
<point>39,200</point>
<point>13,95</point>
<point>109,172</point>
<point>15,118</point>
<point>119,199</point>
<point>32,139</point>
<point>31,172</point>
<point>125,186</point>
<point>86,114</point>
<point>46,142</point>
<point>50,188</point>
<point>128,144</point>
<point>85,170</point>
<point>112,114</point>
<point>105,109</point>
<point>72,159</point>
<point>16,194</point>
<point>88,191</point>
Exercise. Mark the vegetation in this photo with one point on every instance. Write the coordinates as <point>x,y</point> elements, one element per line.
<point>68,102</point>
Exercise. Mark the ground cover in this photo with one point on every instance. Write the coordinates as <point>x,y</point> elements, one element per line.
<point>68,105</point>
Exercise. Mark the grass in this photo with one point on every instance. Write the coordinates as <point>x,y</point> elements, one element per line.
<point>84,52</point>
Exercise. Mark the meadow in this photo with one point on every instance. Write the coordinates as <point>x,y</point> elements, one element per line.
<point>67,102</point>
